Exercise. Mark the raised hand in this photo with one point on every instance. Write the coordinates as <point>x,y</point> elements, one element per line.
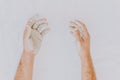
<point>34,32</point>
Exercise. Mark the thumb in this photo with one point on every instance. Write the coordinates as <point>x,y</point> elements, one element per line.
<point>27,33</point>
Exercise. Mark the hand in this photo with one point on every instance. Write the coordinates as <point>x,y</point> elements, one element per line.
<point>34,33</point>
<point>81,35</point>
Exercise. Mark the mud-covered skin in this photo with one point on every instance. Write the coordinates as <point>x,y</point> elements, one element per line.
<point>35,30</point>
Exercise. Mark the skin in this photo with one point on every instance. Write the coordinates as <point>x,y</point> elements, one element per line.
<point>25,68</point>
<point>82,37</point>
<point>80,32</point>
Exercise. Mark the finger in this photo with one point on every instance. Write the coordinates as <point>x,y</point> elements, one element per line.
<point>73,23</point>
<point>83,27</point>
<point>44,31</point>
<point>27,33</point>
<point>76,32</point>
<point>42,27</point>
<point>40,22</point>
<point>32,20</point>
<point>36,35</point>
<point>78,27</point>
<point>78,36</point>
<point>73,28</point>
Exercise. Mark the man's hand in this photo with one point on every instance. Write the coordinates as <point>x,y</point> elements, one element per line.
<point>34,32</point>
<point>82,36</point>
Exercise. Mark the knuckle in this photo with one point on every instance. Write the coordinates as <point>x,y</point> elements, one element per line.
<point>83,24</point>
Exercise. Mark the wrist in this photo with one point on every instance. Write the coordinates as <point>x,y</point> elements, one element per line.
<point>27,57</point>
<point>84,53</point>
<point>28,51</point>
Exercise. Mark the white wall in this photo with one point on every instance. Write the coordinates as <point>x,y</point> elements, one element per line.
<point>58,58</point>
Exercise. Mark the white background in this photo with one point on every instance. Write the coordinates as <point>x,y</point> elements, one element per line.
<point>58,58</point>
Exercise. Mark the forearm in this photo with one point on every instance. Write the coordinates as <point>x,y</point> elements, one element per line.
<point>33,34</point>
<point>88,72</point>
<point>25,67</point>
<point>82,36</point>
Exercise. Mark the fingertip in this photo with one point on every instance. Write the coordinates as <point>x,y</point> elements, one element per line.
<point>73,28</point>
<point>44,32</point>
